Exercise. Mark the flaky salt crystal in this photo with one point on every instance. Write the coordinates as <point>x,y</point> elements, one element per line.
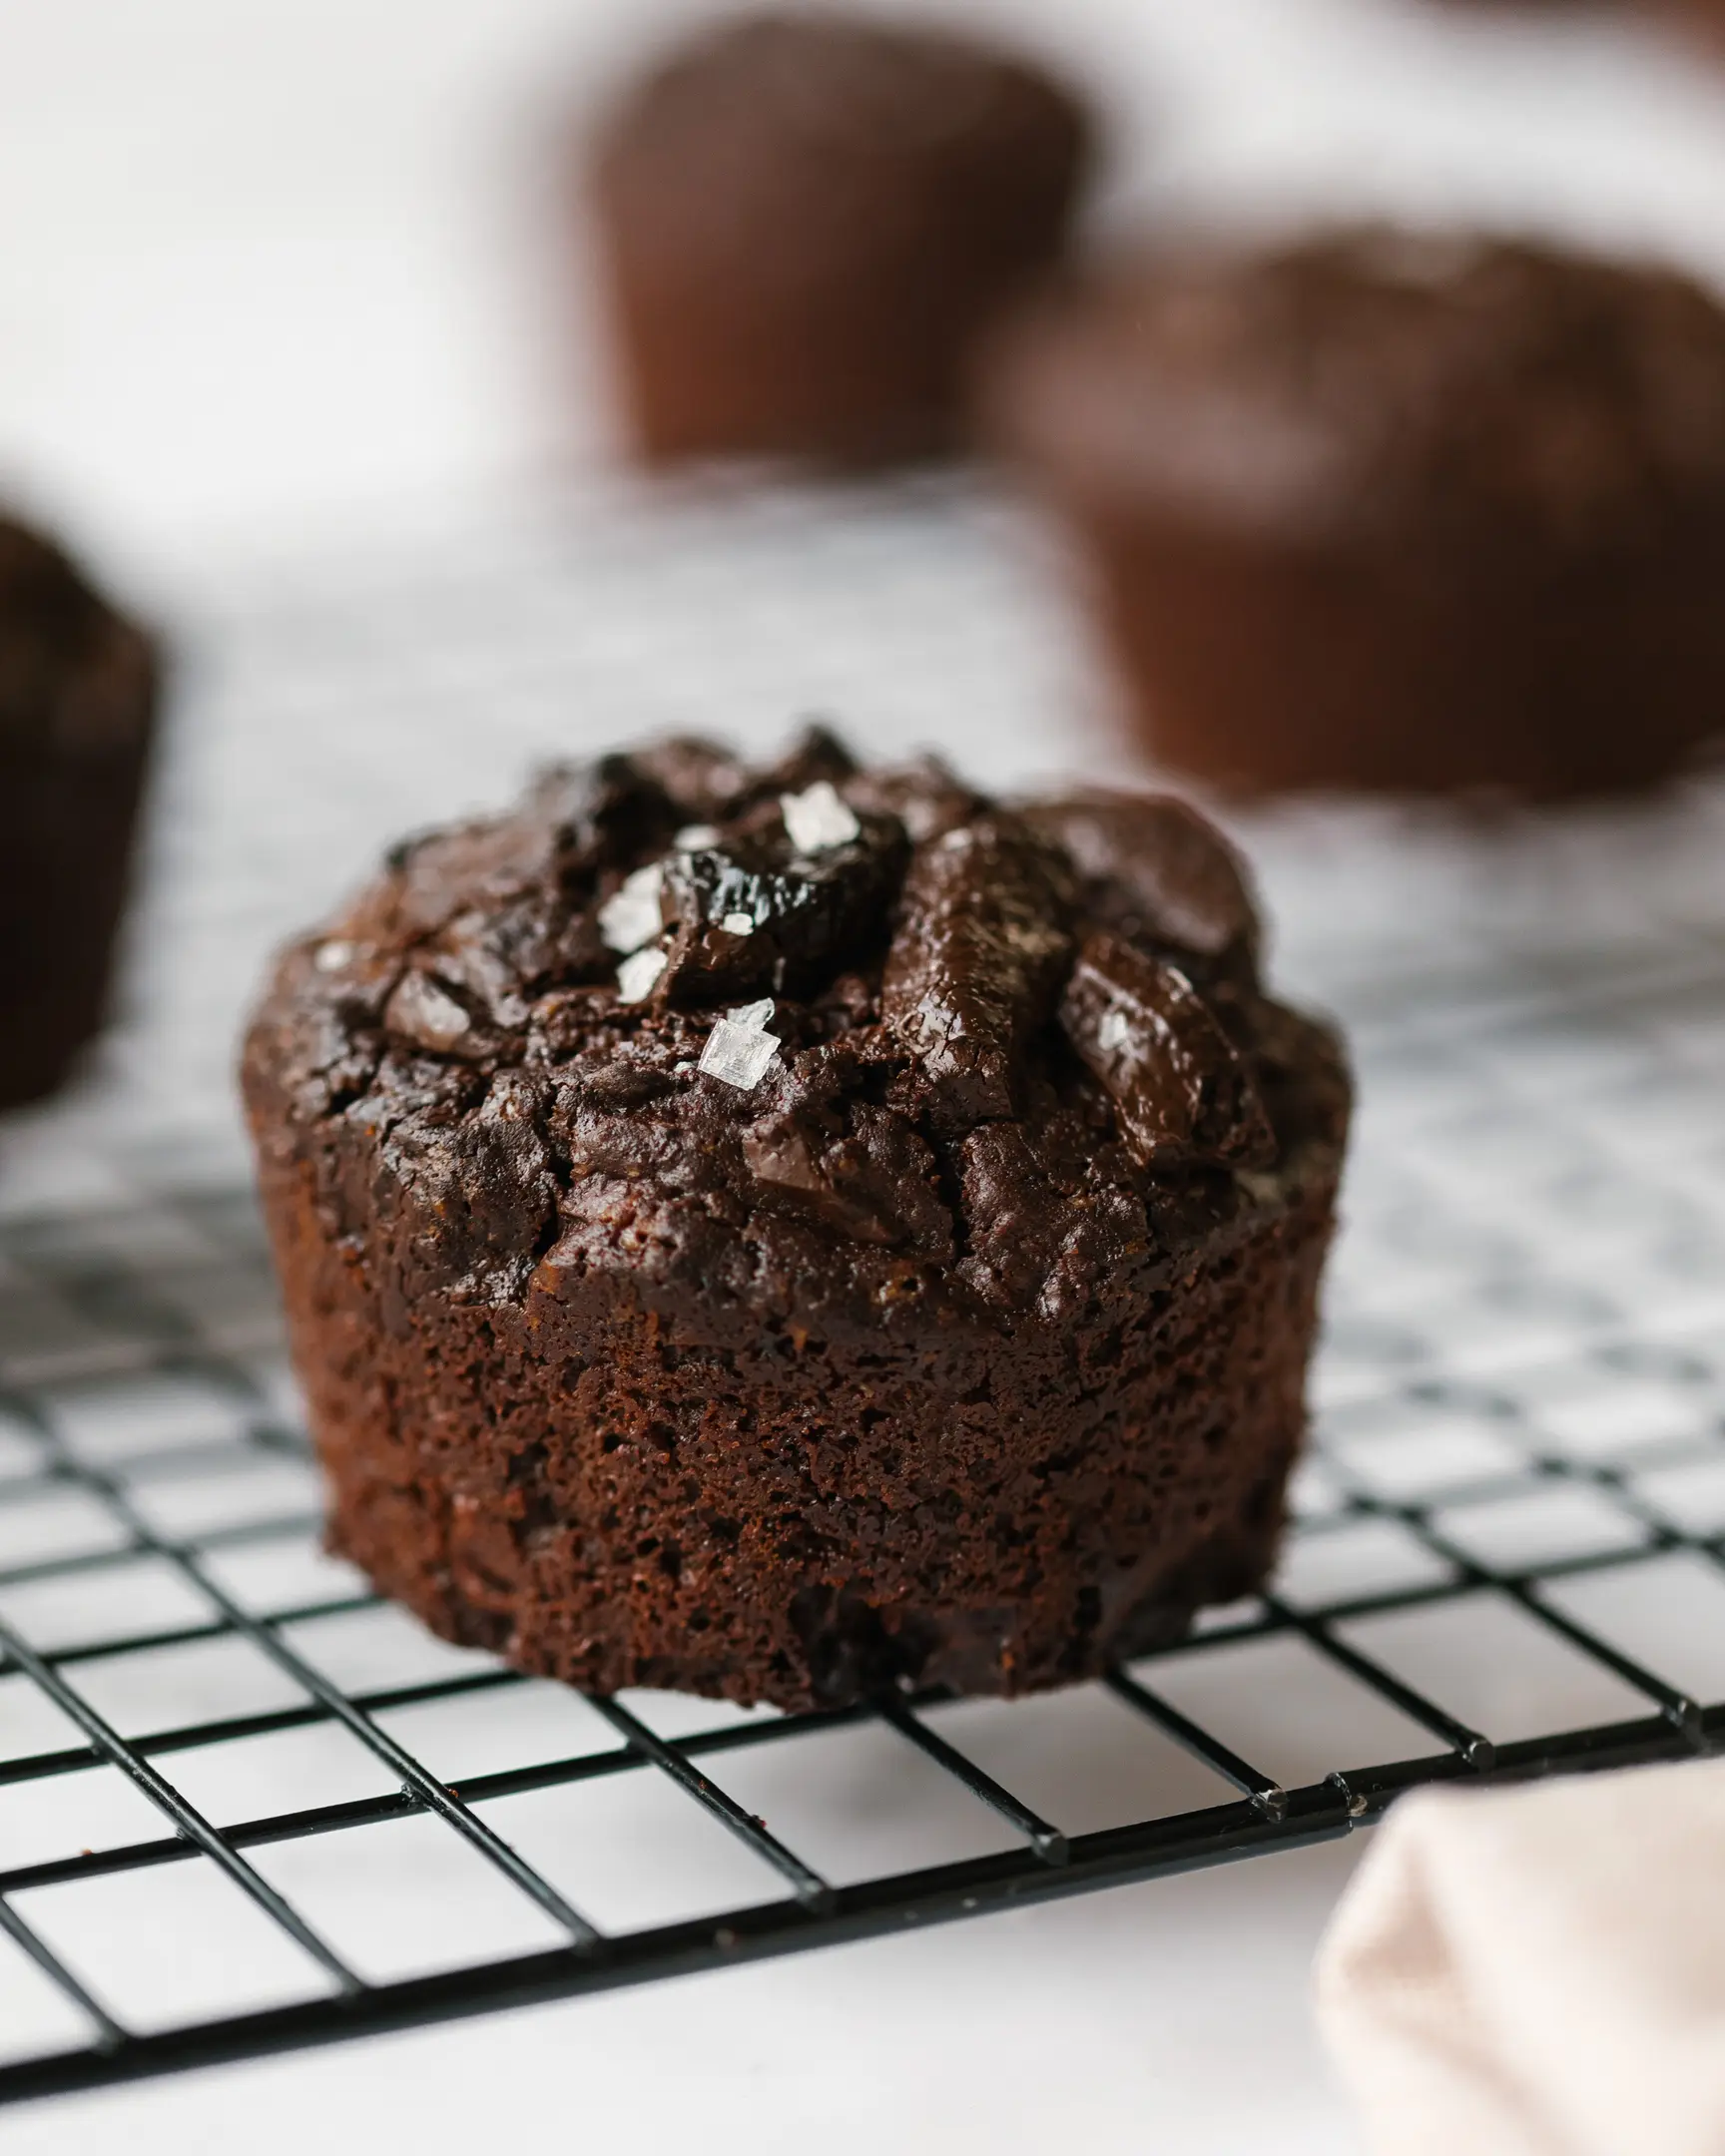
<point>332,956</point>
<point>630,916</point>
<point>740,1048</point>
<point>693,836</point>
<point>1112,1032</point>
<point>638,976</point>
<point>817,820</point>
<point>738,924</point>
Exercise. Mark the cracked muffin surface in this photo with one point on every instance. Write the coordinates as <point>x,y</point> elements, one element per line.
<point>783,1232</point>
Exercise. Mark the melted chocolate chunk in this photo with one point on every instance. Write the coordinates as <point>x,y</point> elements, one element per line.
<point>1180,1089</point>
<point>751,916</point>
<point>977,962</point>
<point>1156,873</point>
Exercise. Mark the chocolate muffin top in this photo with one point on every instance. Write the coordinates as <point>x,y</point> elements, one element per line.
<point>61,648</point>
<point>907,137</point>
<point>1465,390</point>
<point>809,1037</point>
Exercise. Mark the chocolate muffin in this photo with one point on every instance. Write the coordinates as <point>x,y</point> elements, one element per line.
<point>1383,511</point>
<point>782,1233</point>
<point>805,223</point>
<point>77,710</point>
<point>1700,20</point>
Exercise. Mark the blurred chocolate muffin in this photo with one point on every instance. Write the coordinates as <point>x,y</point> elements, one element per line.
<point>1385,511</point>
<point>1702,20</point>
<point>805,224</point>
<point>76,709</point>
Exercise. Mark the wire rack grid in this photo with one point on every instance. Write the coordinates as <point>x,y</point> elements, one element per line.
<point>246,1807</point>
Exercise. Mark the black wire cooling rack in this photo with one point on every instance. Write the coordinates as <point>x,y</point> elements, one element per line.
<point>244,1807</point>
<point>1519,1470</point>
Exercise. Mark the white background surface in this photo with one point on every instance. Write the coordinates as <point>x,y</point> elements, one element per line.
<point>276,263</point>
<point>272,271</point>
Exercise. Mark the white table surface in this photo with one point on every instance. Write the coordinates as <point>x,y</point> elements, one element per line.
<point>282,269</point>
<point>1162,2018</point>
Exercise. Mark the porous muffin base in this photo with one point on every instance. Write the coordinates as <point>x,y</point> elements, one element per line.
<point>617,1487</point>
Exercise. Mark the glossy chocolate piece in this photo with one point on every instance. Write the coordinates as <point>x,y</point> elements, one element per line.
<point>1180,1087</point>
<point>976,961</point>
<point>753,916</point>
<point>1157,872</point>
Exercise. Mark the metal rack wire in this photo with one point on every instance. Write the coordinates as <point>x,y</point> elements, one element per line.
<point>95,1311</point>
<point>1508,1559</point>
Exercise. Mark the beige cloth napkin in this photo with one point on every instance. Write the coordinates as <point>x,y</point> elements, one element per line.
<point>1538,1972</point>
